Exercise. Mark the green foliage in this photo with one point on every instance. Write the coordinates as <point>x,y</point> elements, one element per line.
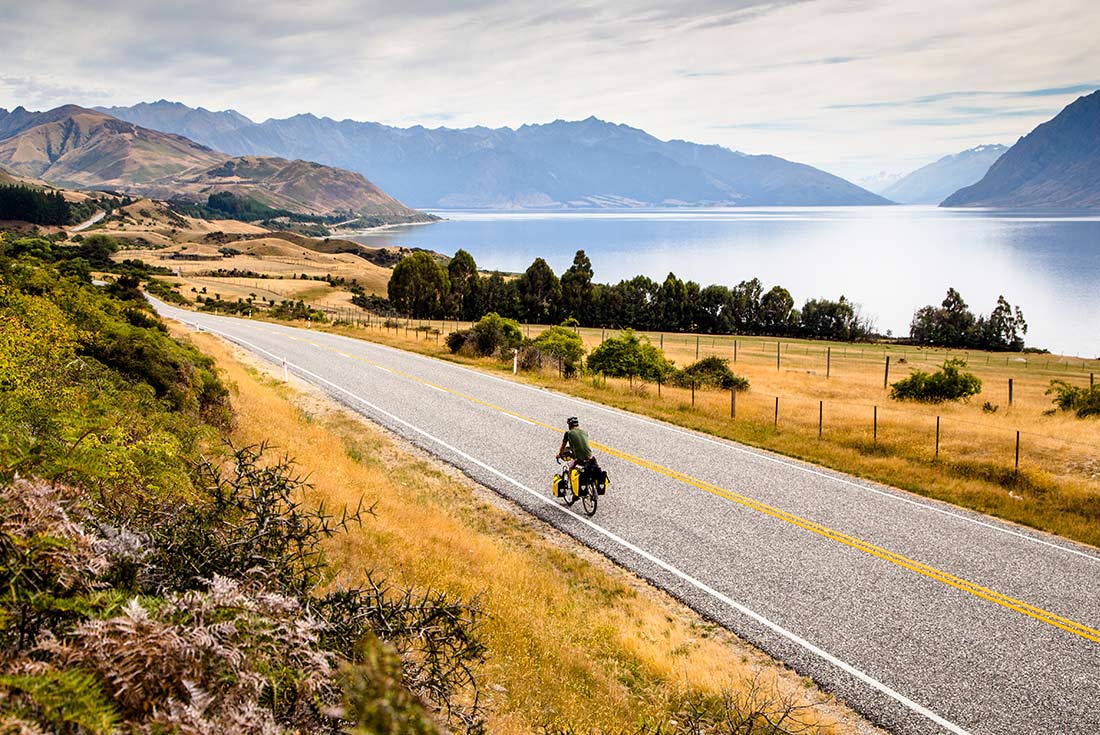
<point>711,372</point>
<point>61,700</point>
<point>954,325</point>
<point>492,335</point>
<point>946,384</point>
<point>286,309</point>
<point>562,344</point>
<point>539,293</point>
<point>164,292</point>
<point>630,355</point>
<point>1084,402</point>
<point>465,294</point>
<point>419,287</point>
<point>247,522</point>
<point>33,205</point>
<point>375,699</point>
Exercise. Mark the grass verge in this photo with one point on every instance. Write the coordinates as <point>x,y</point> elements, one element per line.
<point>1056,489</point>
<point>575,643</point>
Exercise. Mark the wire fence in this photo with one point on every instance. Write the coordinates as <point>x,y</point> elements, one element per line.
<point>922,434</point>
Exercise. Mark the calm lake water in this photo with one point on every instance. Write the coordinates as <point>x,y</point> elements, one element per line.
<point>890,260</point>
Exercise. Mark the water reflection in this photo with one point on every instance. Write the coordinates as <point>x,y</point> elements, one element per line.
<point>890,260</point>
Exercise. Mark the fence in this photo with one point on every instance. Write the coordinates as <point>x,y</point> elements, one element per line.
<point>915,433</point>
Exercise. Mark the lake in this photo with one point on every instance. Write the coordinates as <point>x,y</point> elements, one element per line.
<point>889,260</point>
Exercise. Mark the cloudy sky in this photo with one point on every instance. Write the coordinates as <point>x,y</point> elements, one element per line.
<point>851,86</point>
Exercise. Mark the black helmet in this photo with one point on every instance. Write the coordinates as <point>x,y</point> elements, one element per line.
<point>572,422</point>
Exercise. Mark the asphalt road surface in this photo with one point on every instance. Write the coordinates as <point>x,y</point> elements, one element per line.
<point>924,617</point>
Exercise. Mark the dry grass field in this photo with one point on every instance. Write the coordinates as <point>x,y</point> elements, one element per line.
<point>574,642</point>
<point>827,415</point>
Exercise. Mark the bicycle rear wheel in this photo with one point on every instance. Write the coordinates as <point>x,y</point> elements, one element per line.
<point>589,497</point>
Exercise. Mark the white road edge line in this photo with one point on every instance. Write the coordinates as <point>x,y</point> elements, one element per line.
<point>519,418</point>
<point>737,448</point>
<point>698,584</point>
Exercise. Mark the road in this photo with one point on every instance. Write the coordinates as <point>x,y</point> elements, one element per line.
<point>924,617</point>
<point>88,222</point>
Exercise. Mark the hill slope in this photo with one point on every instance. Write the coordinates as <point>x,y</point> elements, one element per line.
<point>75,147</point>
<point>932,183</point>
<point>1057,165</point>
<point>587,163</point>
<point>72,146</point>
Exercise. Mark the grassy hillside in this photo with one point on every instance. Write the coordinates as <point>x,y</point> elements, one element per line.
<point>75,147</point>
<point>71,146</point>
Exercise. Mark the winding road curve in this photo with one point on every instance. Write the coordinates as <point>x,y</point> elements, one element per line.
<point>924,617</point>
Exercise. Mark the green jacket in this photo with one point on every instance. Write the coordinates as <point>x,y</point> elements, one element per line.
<point>578,442</point>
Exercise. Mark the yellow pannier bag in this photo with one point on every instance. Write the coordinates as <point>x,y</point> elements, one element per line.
<point>575,481</point>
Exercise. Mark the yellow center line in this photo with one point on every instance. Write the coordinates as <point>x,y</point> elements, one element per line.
<point>856,543</point>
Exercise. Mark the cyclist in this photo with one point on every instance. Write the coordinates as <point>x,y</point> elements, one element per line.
<point>577,440</point>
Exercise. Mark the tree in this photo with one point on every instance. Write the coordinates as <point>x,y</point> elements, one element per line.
<point>465,301</point>
<point>500,296</point>
<point>419,286</point>
<point>776,307</point>
<point>715,311</point>
<point>746,306</point>
<point>825,319</point>
<point>577,291</point>
<point>671,304</point>
<point>1004,329</point>
<point>562,344</point>
<point>539,293</point>
<point>630,355</point>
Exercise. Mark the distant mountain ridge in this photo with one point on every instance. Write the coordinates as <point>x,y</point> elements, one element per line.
<point>587,163</point>
<point>75,147</point>
<point>933,183</point>
<point>1057,165</point>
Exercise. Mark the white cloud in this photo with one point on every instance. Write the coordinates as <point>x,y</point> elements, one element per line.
<point>853,86</point>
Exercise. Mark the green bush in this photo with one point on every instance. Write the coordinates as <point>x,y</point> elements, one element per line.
<point>946,384</point>
<point>563,345</point>
<point>456,340</point>
<point>710,372</point>
<point>1084,402</point>
<point>630,355</point>
<point>492,335</point>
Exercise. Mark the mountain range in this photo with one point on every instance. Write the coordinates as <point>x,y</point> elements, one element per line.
<point>933,183</point>
<point>1057,165</point>
<point>586,163</point>
<point>75,147</point>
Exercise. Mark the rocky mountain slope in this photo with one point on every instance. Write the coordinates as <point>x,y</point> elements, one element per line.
<point>75,147</point>
<point>931,184</point>
<point>1055,166</point>
<point>587,163</point>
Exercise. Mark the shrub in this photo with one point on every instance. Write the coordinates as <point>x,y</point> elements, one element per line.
<point>946,384</point>
<point>456,340</point>
<point>563,345</point>
<point>1084,402</point>
<point>494,334</point>
<point>630,355</point>
<point>711,372</point>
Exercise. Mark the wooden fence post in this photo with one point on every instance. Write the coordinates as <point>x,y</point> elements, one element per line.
<point>735,354</point>
<point>820,417</point>
<point>733,403</point>
<point>1017,450</point>
<point>778,346</point>
<point>828,361</point>
<point>886,375</point>
<point>1010,391</point>
<point>697,348</point>
<point>875,430</point>
<point>776,425</point>
<point>937,437</point>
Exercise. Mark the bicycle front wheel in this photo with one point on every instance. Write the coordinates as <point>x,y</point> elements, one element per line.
<point>567,490</point>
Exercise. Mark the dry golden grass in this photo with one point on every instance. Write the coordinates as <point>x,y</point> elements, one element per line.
<point>1057,487</point>
<point>572,639</point>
